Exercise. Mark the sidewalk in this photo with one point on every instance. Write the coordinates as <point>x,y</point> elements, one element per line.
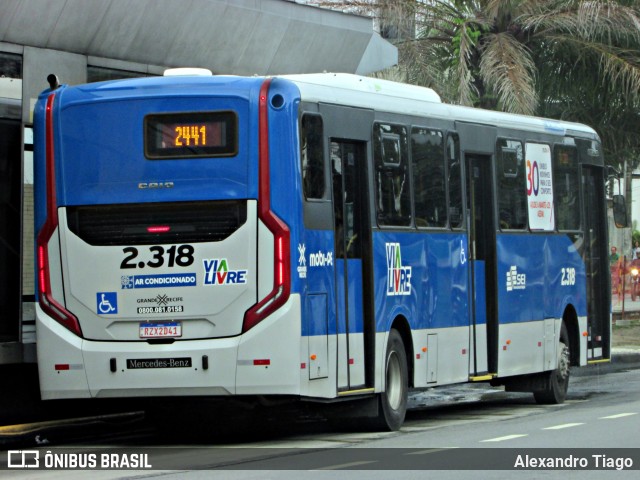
<point>625,339</point>
<point>628,354</point>
<point>625,304</point>
<point>626,329</point>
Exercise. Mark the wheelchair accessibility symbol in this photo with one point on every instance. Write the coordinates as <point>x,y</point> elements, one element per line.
<point>107,303</point>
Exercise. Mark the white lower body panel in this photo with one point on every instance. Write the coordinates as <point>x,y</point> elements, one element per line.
<point>441,356</point>
<point>263,361</point>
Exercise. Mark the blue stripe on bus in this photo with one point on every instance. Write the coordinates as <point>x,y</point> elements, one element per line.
<point>438,295</point>
<point>538,276</point>
<point>528,288</point>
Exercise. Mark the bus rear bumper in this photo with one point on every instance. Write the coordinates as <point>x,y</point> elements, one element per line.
<point>262,361</point>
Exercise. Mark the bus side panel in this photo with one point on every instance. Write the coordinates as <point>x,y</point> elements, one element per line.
<point>438,353</point>
<point>539,276</point>
<point>284,165</point>
<point>56,345</point>
<point>424,278</point>
<point>268,354</point>
<point>314,270</point>
<point>312,251</point>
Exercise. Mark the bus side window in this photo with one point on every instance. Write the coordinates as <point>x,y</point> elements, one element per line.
<point>312,157</point>
<point>427,148</point>
<point>390,150</point>
<point>454,181</point>
<point>566,187</point>
<point>512,194</point>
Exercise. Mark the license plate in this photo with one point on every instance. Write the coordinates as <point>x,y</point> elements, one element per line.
<point>160,330</point>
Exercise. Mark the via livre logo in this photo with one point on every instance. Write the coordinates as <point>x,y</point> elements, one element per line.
<point>217,272</point>
<point>398,276</point>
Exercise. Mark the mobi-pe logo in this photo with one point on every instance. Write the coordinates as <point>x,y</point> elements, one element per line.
<point>398,276</point>
<point>216,272</point>
<point>515,280</point>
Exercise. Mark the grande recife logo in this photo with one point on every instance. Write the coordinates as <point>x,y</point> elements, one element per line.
<point>398,276</point>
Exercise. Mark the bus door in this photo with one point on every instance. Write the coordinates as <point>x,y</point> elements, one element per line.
<point>596,262</point>
<point>482,238</point>
<point>348,167</point>
<point>10,229</point>
<point>477,142</point>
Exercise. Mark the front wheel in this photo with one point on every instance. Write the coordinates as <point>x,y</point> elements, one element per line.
<point>557,381</point>
<point>392,406</point>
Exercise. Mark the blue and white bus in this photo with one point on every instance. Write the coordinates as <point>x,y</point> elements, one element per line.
<point>323,237</point>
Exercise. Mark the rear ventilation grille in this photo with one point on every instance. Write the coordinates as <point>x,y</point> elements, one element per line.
<point>153,223</point>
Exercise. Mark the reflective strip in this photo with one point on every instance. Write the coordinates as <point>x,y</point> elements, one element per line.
<point>356,392</point>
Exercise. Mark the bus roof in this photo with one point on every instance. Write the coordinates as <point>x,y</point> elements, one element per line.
<point>399,98</point>
<point>352,85</point>
<point>349,90</point>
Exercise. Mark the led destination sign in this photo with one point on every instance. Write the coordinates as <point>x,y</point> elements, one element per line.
<point>188,135</point>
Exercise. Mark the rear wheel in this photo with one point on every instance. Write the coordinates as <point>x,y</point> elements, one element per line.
<point>557,381</point>
<point>393,401</point>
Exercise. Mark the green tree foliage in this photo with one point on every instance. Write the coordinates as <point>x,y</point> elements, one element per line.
<point>577,60</point>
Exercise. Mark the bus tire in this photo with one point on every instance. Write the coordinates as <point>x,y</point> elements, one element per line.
<point>557,381</point>
<point>392,406</point>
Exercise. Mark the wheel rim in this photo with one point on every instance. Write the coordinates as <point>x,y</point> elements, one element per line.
<point>563,362</point>
<point>394,381</point>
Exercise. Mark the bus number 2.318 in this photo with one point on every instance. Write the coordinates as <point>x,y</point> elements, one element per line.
<point>568,276</point>
<point>180,255</point>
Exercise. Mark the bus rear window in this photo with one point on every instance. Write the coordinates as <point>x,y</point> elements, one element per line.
<point>190,134</point>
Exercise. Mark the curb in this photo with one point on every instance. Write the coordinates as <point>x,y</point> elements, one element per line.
<point>37,434</point>
<point>625,355</point>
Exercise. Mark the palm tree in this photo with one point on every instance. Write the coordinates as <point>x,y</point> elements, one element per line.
<point>505,54</point>
<point>572,59</point>
<point>577,60</point>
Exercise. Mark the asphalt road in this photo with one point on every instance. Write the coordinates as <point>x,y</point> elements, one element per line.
<point>463,427</point>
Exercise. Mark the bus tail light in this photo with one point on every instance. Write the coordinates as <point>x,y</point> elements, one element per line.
<point>48,304</point>
<point>281,237</point>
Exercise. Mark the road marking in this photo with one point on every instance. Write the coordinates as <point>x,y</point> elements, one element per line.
<point>566,425</point>
<point>619,415</point>
<point>430,450</point>
<point>347,465</point>
<point>502,439</point>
